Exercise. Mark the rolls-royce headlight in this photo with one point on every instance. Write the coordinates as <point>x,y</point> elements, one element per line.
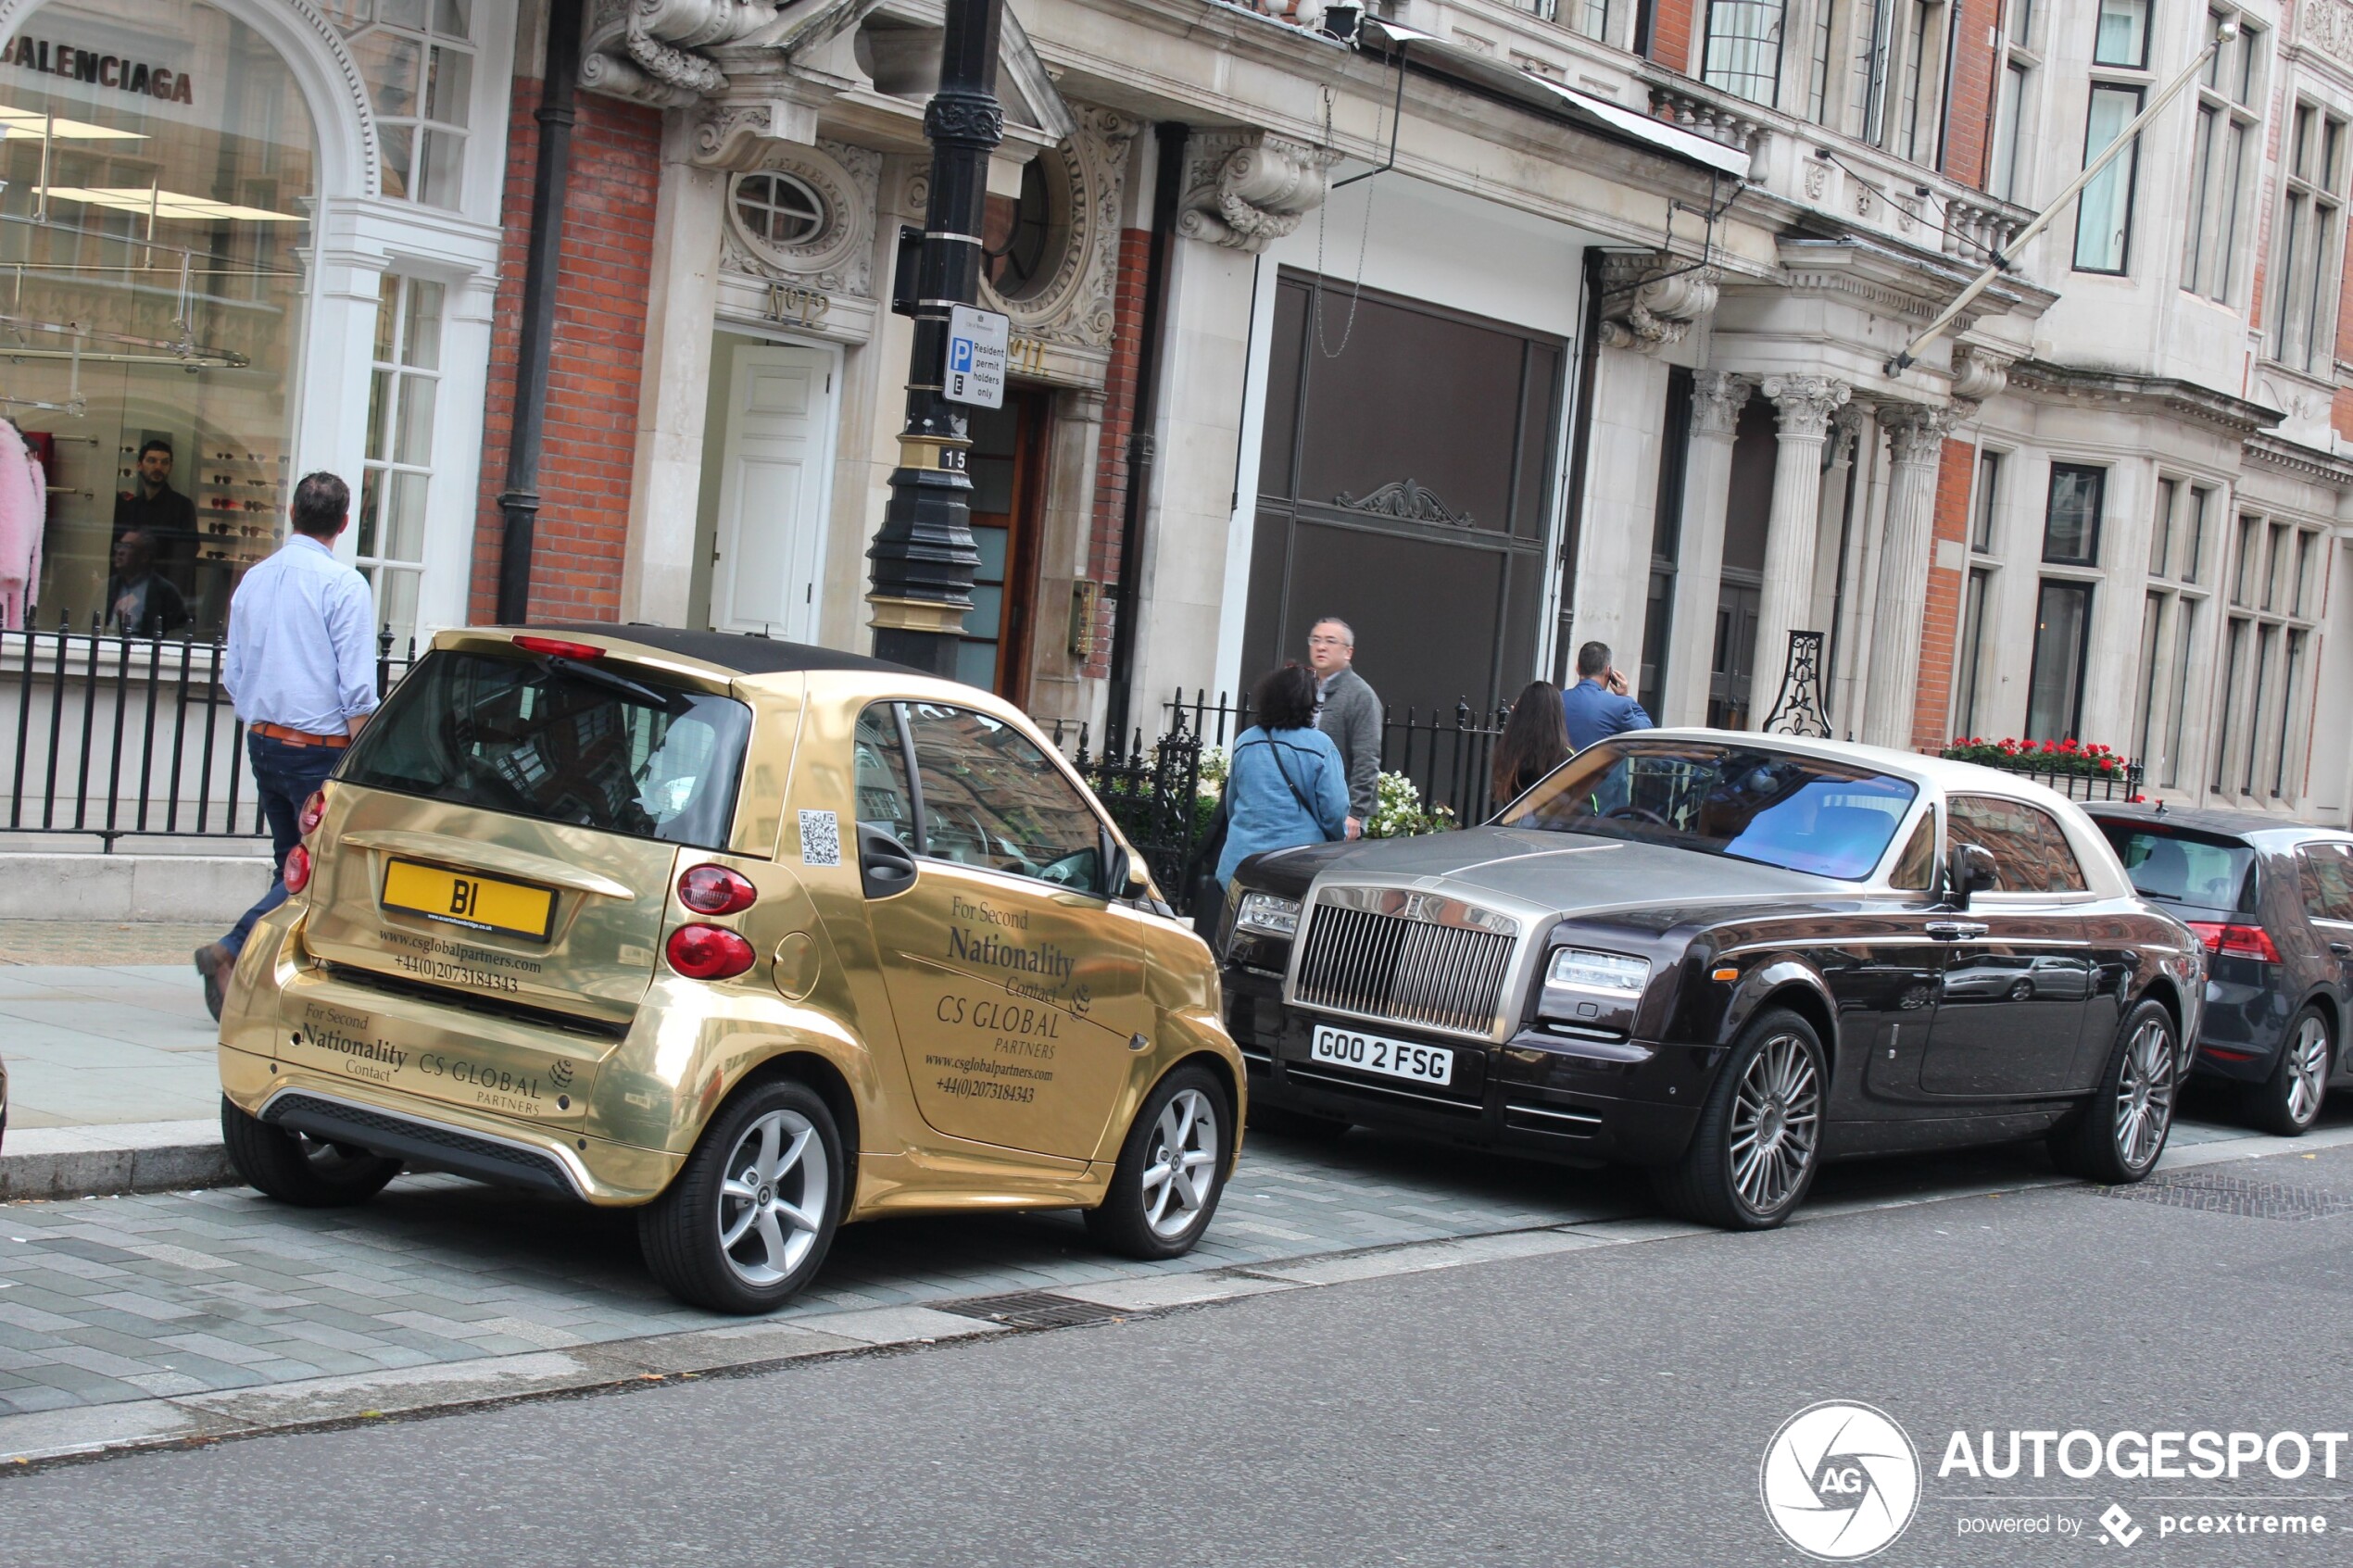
<point>1266,913</point>
<point>1607,974</point>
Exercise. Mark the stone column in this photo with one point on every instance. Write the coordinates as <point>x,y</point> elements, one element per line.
<point>665,481</point>
<point>1916,444</point>
<point>1621,507</point>
<point>1717,399</point>
<point>1806,405</point>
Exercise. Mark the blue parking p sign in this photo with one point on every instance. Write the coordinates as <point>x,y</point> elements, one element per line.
<point>976,344</point>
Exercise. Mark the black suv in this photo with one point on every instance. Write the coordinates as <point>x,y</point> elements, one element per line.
<point>2273,903</point>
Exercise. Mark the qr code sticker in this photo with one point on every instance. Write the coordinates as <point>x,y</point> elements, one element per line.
<point>820,839</point>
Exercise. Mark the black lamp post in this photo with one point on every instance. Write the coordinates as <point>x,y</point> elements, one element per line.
<point>923,558</point>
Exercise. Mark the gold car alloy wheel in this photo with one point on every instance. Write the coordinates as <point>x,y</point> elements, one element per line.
<point>775,1198</point>
<point>1181,1175</point>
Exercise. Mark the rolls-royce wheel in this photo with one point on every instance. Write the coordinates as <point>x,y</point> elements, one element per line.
<point>2289,1101</point>
<point>1171,1170</point>
<point>746,1223</point>
<point>1294,1123</point>
<point>1759,1138</point>
<point>299,1169</point>
<point>2122,1129</point>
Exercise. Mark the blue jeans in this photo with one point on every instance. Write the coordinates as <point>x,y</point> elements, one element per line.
<point>284,776</point>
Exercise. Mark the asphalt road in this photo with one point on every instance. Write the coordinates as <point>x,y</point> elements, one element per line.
<point>1609,1406</point>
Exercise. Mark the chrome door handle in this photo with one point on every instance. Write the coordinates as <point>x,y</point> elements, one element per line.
<point>2342,949</point>
<point>1956,930</point>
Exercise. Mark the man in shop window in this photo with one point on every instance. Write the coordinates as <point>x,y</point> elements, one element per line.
<point>141,602</point>
<point>153,507</point>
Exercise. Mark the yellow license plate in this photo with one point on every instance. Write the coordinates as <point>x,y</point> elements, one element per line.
<point>478,903</point>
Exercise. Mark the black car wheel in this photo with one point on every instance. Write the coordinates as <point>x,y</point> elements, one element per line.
<point>2117,1137</point>
<point>1171,1170</point>
<point>2289,1101</point>
<point>1759,1138</point>
<point>748,1219</point>
<point>299,1169</point>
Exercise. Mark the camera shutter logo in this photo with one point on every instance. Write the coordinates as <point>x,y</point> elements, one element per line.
<point>1839,1481</point>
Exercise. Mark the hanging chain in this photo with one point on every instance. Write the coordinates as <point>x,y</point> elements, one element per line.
<point>1363,239</point>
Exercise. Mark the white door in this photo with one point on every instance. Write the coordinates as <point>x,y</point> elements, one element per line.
<point>773,486</point>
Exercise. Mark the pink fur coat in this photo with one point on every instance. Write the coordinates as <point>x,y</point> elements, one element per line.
<point>23,504</point>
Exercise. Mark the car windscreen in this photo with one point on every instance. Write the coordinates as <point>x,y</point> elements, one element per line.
<point>2186,869</point>
<point>1748,803</point>
<point>562,740</point>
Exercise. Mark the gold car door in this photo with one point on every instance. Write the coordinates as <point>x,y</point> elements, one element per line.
<point>1015,989</point>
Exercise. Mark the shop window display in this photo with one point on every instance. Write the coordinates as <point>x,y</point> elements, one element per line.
<point>159,186</point>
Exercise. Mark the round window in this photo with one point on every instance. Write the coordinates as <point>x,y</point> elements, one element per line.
<point>779,209</point>
<point>1024,237</point>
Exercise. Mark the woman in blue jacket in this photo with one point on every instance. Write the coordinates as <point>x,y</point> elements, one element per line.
<point>1286,784</point>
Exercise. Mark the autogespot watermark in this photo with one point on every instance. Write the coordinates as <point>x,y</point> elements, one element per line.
<point>1841,1481</point>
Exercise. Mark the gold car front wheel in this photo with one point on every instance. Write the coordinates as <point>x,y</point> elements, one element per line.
<point>1171,1171</point>
<point>749,1218</point>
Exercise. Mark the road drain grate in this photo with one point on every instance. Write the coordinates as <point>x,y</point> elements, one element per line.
<point>2214,1192</point>
<point>1032,1308</point>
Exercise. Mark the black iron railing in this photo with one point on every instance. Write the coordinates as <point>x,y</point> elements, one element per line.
<point>116,736</point>
<point>1155,789</point>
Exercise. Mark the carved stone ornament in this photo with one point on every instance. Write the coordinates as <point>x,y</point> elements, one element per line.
<point>1806,403</point>
<point>1916,432</point>
<point>1249,189</point>
<point>1075,305</point>
<point>1407,501</point>
<point>2328,27</point>
<point>741,134</point>
<point>1650,305</point>
<point>838,257</point>
<point>1846,431</point>
<point>1818,179</point>
<point>649,51</point>
<point>1978,374</point>
<point>1718,398</point>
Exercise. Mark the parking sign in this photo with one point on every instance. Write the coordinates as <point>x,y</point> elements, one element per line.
<point>976,344</point>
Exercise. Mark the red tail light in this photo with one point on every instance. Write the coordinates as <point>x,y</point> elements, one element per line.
<point>312,811</point>
<point>557,648</point>
<point>708,952</point>
<point>715,890</point>
<point>2236,941</point>
<point>298,872</point>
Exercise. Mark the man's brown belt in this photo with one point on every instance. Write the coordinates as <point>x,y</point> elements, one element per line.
<point>298,737</point>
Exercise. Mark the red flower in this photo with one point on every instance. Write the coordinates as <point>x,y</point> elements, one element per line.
<point>2106,766</point>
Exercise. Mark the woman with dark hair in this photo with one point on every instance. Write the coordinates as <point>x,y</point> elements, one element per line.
<point>1286,784</point>
<point>1534,742</point>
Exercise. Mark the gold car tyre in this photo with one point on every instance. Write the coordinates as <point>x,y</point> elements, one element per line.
<point>2288,1102</point>
<point>747,1221</point>
<point>2121,1131</point>
<point>299,1169</point>
<point>1172,1169</point>
<point>1759,1139</point>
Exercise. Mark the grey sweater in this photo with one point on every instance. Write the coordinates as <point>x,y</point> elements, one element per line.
<point>1351,716</point>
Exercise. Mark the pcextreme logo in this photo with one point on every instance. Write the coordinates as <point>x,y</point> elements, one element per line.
<point>1839,1481</point>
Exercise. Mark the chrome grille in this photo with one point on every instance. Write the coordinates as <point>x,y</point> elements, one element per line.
<point>1395,966</point>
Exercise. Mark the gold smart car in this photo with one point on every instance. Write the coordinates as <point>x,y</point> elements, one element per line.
<point>757,937</point>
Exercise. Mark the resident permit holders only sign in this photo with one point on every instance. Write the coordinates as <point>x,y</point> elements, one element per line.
<point>976,343</point>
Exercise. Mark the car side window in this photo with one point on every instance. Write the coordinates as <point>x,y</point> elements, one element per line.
<point>2030,850</point>
<point>885,800</point>
<point>2326,872</point>
<point>1916,870</point>
<point>992,798</point>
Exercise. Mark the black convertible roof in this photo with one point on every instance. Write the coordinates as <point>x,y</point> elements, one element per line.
<point>731,650</point>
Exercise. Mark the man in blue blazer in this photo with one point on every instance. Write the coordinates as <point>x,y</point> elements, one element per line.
<point>1598,707</point>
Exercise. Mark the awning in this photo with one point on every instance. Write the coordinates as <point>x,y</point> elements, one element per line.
<point>1596,113</point>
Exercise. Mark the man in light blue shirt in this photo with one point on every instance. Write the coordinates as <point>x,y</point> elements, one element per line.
<point>301,668</point>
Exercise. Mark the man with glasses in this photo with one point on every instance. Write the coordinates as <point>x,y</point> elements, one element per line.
<point>1347,711</point>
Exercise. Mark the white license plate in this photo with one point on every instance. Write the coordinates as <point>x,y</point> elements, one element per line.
<point>1376,1053</point>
